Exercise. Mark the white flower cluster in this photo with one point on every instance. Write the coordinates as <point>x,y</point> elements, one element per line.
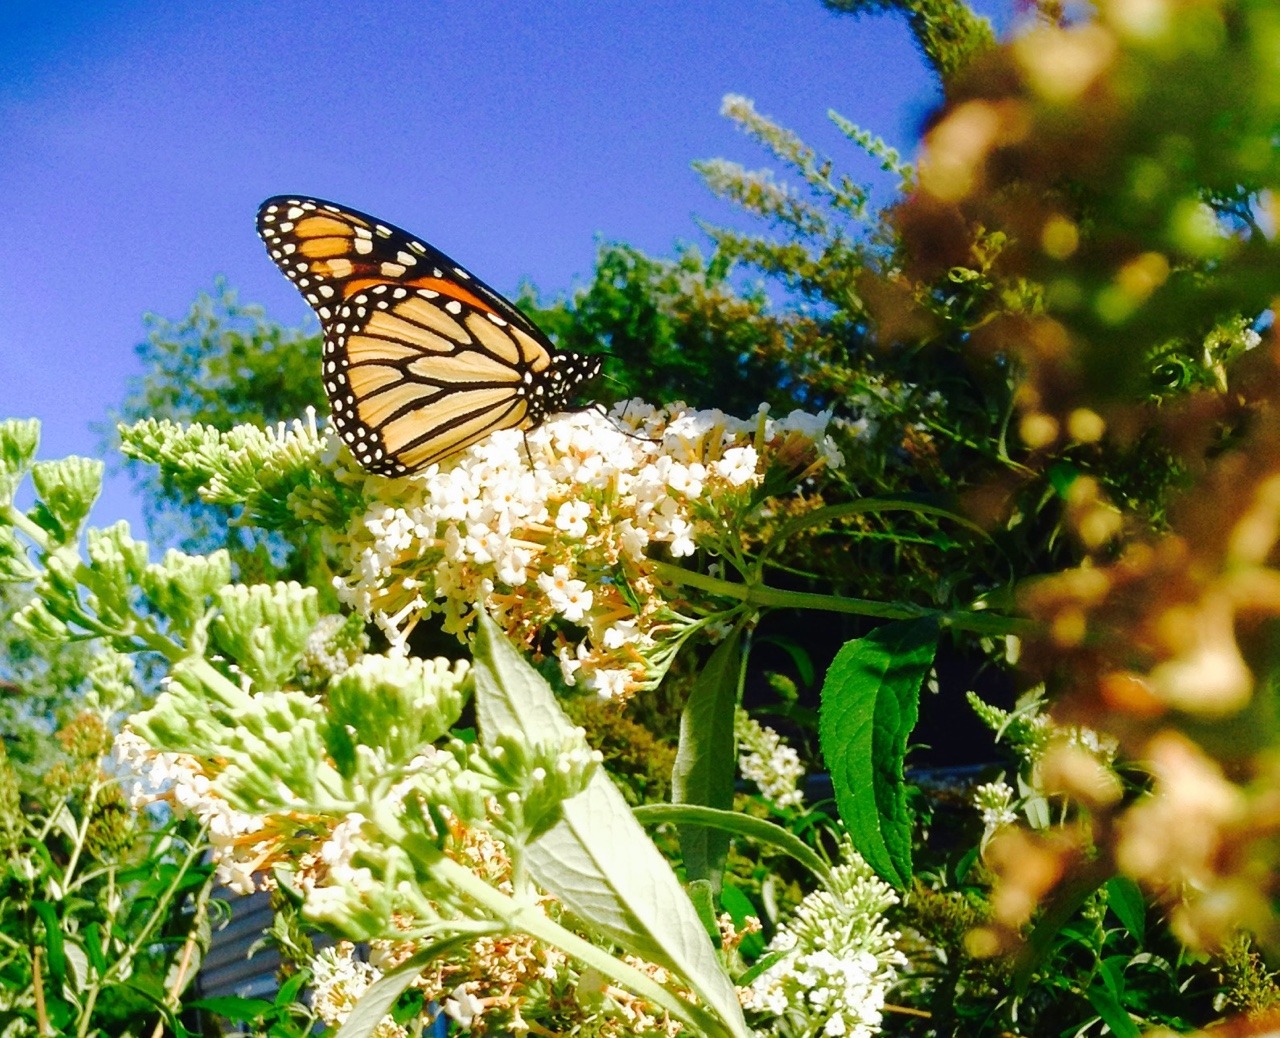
<point>763,758</point>
<point>994,800</point>
<point>839,959</point>
<point>152,777</point>
<point>553,529</point>
<point>338,979</point>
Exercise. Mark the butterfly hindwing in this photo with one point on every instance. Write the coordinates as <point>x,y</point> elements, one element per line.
<point>421,358</point>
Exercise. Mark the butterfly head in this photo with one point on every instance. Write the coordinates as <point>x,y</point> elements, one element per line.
<point>566,372</point>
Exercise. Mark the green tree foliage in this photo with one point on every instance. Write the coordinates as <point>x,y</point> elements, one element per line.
<point>39,690</point>
<point>225,363</point>
<point>948,32</point>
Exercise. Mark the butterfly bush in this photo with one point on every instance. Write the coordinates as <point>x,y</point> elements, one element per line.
<point>836,959</point>
<point>763,758</point>
<point>560,532</point>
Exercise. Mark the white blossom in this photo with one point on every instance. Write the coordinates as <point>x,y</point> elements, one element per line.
<point>559,524</point>
<point>338,980</point>
<point>766,760</point>
<point>994,800</point>
<point>838,958</point>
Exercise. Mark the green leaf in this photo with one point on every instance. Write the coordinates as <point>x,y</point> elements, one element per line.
<point>288,993</point>
<point>704,903</point>
<point>77,967</point>
<point>236,1009</point>
<point>870,701</point>
<point>758,829</point>
<point>1126,901</point>
<point>377,1001</point>
<point>93,947</point>
<point>596,859</point>
<point>1064,904</point>
<point>800,657</point>
<point>707,759</point>
<point>740,908</point>
<point>760,965</point>
<point>52,939</point>
<point>1113,1014</point>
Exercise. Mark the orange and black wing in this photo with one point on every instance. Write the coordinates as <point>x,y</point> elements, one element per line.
<point>421,358</point>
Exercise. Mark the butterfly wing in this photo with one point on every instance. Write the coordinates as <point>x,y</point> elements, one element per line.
<point>421,358</point>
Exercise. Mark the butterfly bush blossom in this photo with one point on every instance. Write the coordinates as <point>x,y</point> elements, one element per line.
<point>560,530</point>
<point>763,758</point>
<point>837,959</point>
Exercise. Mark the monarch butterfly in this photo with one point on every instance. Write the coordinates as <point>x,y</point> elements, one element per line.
<point>421,359</point>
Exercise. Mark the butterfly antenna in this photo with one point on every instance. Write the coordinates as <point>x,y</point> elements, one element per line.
<point>619,423</point>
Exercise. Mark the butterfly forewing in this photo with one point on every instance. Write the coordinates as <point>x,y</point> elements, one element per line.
<point>421,358</point>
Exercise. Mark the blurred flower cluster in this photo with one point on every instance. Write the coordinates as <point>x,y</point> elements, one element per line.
<point>1123,227</point>
<point>557,530</point>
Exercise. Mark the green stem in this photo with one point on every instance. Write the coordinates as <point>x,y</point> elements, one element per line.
<point>20,521</point>
<point>82,835</point>
<point>161,910</point>
<point>763,597</point>
<point>182,973</point>
<point>824,516</point>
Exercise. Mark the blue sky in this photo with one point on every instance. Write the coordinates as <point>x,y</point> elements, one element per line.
<point>137,139</point>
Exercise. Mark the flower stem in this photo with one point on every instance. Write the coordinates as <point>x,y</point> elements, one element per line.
<point>765,597</point>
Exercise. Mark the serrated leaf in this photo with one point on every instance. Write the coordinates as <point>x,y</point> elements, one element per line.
<point>706,758</point>
<point>596,859</point>
<point>870,702</point>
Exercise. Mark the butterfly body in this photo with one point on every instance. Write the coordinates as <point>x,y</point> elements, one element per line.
<point>421,358</point>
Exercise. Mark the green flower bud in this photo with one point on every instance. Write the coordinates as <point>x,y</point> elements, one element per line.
<point>36,620</point>
<point>19,440</point>
<point>450,785</point>
<point>398,704</point>
<point>59,587</point>
<point>67,490</point>
<point>182,719</point>
<point>537,778</point>
<point>264,628</point>
<point>111,684</point>
<point>180,585</point>
<point>353,903</point>
<point>270,741</point>
<point>14,564</point>
<point>118,561</point>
